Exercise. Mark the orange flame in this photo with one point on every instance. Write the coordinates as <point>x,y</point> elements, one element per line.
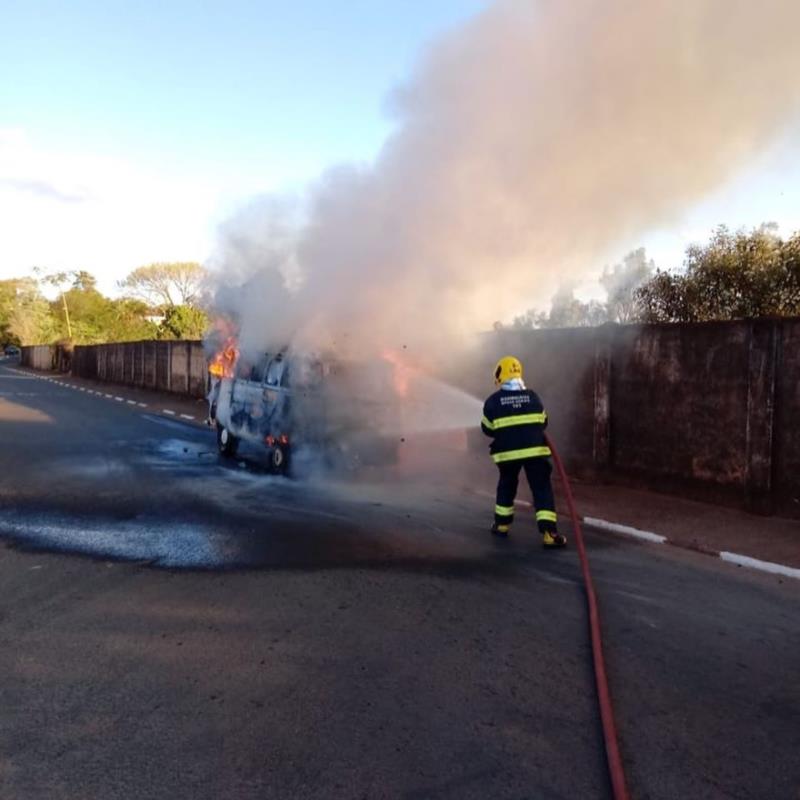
<point>223,364</point>
<point>401,372</point>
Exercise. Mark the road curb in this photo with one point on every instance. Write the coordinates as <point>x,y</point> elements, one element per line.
<point>626,530</point>
<point>740,560</point>
<point>770,567</point>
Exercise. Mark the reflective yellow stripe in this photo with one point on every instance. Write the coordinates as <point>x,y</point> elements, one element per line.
<point>504,511</point>
<point>514,455</point>
<point>546,516</point>
<point>520,419</point>
<point>488,423</point>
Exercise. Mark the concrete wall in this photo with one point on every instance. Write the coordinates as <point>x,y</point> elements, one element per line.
<point>786,422</point>
<point>560,366</point>
<point>710,409</point>
<point>39,356</point>
<point>171,366</point>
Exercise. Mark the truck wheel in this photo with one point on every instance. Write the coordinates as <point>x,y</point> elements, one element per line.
<point>279,459</point>
<point>227,443</point>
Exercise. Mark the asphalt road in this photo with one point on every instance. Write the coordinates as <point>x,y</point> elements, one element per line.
<point>172,626</point>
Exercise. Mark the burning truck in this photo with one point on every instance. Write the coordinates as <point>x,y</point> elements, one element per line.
<point>337,412</point>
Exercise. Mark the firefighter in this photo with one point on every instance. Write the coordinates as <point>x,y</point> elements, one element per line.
<point>515,420</point>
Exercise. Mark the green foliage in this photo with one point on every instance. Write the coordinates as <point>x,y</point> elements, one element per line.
<point>735,276</point>
<point>183,322</point>
<point>82,315</point>
<point>131,322</point>
<point>96,318</point>
<point>25,316</point>
<point>167,284</point>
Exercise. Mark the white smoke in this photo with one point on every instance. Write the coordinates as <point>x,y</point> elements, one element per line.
<point>528,143</point>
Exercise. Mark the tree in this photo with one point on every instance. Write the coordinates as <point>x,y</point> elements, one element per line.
<point>25,315</point>
<point>83,280</point>
<point>566,311</point>
<point>97,319</point>
<point>59,280</point>
<point>183,322</point>
<point>736,275</point>
<point>82,315</point>
<point>8,299</point>
<point>167,284</point>
<point>620,283</point>
<point>129,322</point>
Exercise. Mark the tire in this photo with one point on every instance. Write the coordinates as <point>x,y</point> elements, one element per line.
<point>227,443</point>
<point>279,460</point>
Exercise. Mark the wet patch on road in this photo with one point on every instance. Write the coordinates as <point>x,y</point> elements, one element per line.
<point>175,545</point>
<point>175,424</point>
<point>283,537</point>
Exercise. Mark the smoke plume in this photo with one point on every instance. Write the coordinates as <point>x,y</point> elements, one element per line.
<point>528,142</point>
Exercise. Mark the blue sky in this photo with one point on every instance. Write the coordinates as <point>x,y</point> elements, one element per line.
<point>115,116</point>
<point>128,131</point>
<point>270,90</point>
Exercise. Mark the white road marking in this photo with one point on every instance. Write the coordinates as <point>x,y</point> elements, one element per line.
<point>119,399</point>
<point>167,411</point>
<point>764,566</point>
<point>615,527</point>
<point>142,405</point>
<point>186,416</point>
<point>131,402</point>
<point>108,396</point>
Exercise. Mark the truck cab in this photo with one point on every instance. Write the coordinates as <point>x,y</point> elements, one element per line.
<point>283,401</point>
<point>255,405</point>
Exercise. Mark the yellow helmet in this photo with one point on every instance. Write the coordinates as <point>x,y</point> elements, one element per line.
<point>507,368</point>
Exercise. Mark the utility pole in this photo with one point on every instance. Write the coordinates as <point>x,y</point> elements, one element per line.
<point>58,279</point>
<point>66,315</point>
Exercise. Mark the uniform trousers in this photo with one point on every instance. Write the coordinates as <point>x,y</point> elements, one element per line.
<point>537,471</point>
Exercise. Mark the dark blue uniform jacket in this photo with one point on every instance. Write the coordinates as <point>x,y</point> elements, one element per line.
<point>516,420</point>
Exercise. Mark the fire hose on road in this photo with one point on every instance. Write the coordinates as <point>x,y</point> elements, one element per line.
<point>615,770</point>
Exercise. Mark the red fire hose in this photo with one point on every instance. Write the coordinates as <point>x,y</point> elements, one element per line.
<point>615,770</point>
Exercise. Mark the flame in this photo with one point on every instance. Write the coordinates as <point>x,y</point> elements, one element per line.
<point>401,372</point>
<point>223,364</point>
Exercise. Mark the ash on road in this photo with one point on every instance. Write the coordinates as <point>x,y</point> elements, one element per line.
<point>177,627</point>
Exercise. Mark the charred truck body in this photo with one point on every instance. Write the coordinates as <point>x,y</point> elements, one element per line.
<point>330,408</point>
